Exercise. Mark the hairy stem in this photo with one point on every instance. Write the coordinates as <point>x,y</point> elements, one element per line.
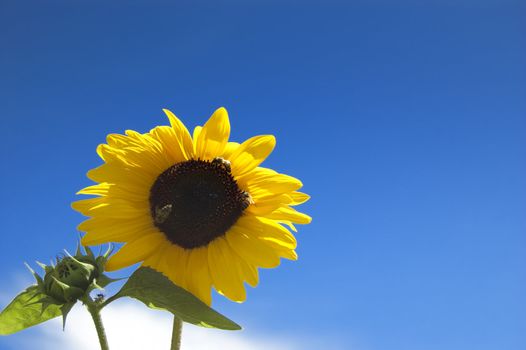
<point>94,310</point>
<point>176,333</point>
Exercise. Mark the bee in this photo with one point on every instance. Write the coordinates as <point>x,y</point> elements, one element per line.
<point>247,200</point>
<point>161,214</point>
<point>223,163</point>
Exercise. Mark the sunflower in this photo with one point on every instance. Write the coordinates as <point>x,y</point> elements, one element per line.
<point>197,208</point>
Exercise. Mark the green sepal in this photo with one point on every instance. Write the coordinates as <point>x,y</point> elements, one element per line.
<point>108,252</point>
<point>37,277</point>
<point>44,300</point>
<point>157,292</point>
<point>65,309</point>
<point>70,293</point>
<point>21,313</point>
<point>89,252</point>
<point>45,267</point>
<point>85,266</point>
<point>78,251</point>
<point>103,280</point>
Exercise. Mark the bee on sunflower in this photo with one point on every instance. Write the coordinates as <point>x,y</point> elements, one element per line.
<point>197,208</point>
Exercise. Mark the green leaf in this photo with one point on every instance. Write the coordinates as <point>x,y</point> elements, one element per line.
<point>23,312</point>
<point>157,292</point>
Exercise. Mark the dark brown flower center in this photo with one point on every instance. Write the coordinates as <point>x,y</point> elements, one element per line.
<point>196,201</point>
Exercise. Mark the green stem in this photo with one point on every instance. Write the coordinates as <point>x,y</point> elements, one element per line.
<point>176,333</point>
<point>94,310</point>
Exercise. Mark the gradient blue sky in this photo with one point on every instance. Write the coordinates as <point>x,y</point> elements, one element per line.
<point>405,120</point>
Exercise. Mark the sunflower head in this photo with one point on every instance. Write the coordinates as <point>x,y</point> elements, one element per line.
<point>198,208</point>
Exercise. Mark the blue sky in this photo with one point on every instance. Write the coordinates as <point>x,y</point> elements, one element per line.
<point>405,120</point>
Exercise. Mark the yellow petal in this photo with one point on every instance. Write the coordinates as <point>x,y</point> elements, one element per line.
<point>174,264</point>
<point>226,279</point>
<point>196,133</point>
<point>151,161</point>
<point>251,153</point>
<point>115,173</point>
<point>172,146</point>
<point>154,260</point>
<point>268,204</point>
<point>148,152</point>
<point>263,183</point>
<point>182,135</point>
<point>268,231</point>
<point>96,190</point>
<point>120,141</point>
<point>136,251</point>
<point>84,206</point>
<point>213,138</point>
<point>129,193</point>
<point>248,271</point>
<point>99,223</point>
<point>195,136</point>
<point>199,281</point>
<point>229,149</point>
<point>289,254</point>
<point>289,214</point>
<point>136,150</point>
<point>299,198</point>
<point>289,224</point>
<point>111,208</point>
<point>251,249</point>
<point>110,154</point>
<point>101,230</point>
<point>145,141</point>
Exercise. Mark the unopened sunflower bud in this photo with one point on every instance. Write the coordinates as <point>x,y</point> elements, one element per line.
<point>69,279</point>
<point>72,278</point>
